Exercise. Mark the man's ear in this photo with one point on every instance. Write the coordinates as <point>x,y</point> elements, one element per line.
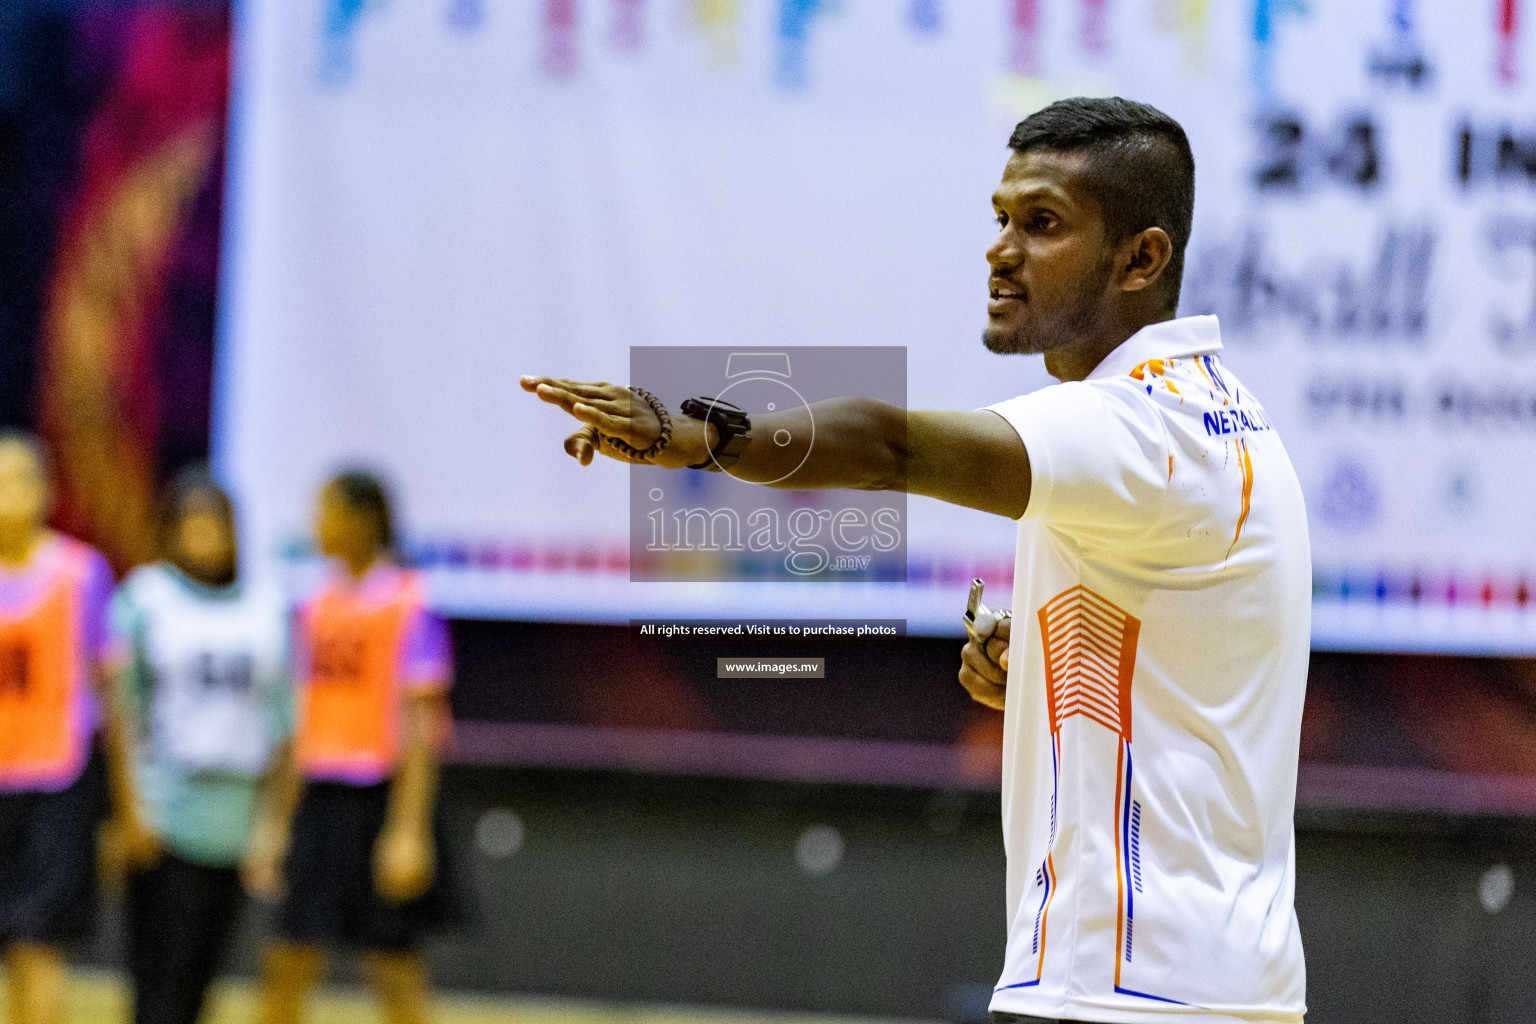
<point>1144,257</point>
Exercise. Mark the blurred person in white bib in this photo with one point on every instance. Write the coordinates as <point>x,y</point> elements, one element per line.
<point>1152,699</point>
<point>208,709</point>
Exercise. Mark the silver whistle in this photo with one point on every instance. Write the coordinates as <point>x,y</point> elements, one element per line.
<point>979,620</point>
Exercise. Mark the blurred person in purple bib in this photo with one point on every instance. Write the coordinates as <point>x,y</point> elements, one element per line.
<point>54,658</point>
<point>352,848</point>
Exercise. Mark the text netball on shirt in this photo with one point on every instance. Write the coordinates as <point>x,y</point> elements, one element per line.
<point>1235,421</point>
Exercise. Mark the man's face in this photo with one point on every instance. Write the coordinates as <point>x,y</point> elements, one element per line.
<point>1050,264</point>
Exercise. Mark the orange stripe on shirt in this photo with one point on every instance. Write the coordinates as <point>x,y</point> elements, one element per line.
<point>1045,916</point>
<point>1245,461</point>
<point>1205,371</point>
<point>1050,872</point>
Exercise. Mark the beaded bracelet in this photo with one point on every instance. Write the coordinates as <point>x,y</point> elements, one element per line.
<point>645,455</point>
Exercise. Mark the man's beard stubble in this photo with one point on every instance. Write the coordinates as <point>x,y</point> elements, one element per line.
<point>1034,337</point>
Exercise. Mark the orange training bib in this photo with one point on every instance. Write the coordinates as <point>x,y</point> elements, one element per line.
<point>349,704</point>
<point>37,687</point>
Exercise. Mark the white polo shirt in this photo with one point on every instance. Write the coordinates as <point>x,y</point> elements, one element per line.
<point>1162,601</point>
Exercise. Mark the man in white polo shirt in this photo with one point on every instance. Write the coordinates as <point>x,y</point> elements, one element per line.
<point>1154,697</point>
<point>1162,586</point>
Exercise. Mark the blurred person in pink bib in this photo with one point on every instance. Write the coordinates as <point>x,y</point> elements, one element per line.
<point>352,847</point>
<point>55,650</point>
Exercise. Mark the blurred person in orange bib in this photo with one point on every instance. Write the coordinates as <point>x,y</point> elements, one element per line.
<point>54,656</point>
<point>352,847</point>
<point>206,706</point>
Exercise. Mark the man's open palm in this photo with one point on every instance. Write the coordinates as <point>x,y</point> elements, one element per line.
<point>604,409</point>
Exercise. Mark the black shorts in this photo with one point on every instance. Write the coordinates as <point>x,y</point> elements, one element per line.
<point>331,900</point>
<point>180,917</point>
<point>48,859</point>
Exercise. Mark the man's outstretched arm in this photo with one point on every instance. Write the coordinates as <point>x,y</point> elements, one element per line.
<point>973,459</point>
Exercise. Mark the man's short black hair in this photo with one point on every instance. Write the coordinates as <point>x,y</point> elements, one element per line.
<point>1139,167</point>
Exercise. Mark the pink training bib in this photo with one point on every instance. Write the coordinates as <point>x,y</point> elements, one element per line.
<point>40,682</point>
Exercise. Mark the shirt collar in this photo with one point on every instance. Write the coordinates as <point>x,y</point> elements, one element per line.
<point>1169,339</point>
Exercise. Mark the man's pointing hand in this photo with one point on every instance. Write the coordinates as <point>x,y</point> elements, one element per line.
<point>614,411</point>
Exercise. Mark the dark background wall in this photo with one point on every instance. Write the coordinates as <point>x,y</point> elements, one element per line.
<point>681,891</point>
<point>670,890</point>
<point>43,102</point>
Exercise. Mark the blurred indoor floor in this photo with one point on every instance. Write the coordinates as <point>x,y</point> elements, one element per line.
<point>102,998</point>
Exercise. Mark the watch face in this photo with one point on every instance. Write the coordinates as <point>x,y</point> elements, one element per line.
<point>761,396</point>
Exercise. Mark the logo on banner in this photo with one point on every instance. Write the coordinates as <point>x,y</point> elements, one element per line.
<point>1267,16</point>
<point>1024,38</point>
<point>338,37</point>
<point>1459,492</point>
<point>627,32</point>
<point>926,16</point>
<point>560,25</point>
<point>1351,496</point>
<point>1402,58</point>
<point>792,69</point>
<point>1188,19</point>
<point>1509,41</point>
<point>465,16</point>
<point>719,22</point>
<point>1095,27</point>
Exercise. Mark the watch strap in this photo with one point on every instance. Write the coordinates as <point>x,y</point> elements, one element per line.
<point>732,425</point>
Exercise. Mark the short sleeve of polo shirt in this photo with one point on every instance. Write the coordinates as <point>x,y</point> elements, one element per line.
<point>426,661</point>
<point>1098,456</point>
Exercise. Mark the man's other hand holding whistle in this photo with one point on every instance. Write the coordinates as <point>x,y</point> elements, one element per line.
<point>984,659</point>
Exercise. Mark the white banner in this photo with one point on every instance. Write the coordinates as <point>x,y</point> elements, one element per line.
<point>432,197</point>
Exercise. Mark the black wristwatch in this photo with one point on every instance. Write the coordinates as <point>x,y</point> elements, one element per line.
<point>732,426</point>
